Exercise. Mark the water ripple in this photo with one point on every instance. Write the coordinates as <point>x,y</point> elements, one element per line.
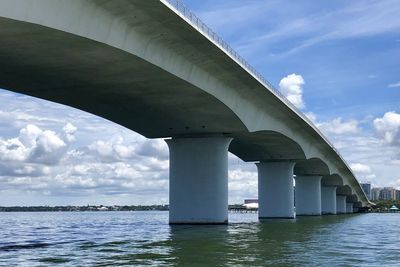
<point>146,239</point>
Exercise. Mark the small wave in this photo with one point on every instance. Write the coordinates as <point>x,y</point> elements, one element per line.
<point>24,246</point>
<point>54,260</point>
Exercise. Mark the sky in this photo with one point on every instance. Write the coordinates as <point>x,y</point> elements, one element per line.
<point>337,61</point>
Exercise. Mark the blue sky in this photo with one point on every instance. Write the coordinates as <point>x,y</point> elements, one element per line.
<point>339,61</point>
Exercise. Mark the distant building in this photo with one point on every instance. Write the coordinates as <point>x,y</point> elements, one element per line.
<point>251,203</point>
<point>375,193</point>
<point>367,189</point>
<point>397,194</point>
<point>387,193</point>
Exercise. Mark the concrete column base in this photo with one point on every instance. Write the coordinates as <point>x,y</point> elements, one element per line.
<point>275,190</point>
<point>340,204</point>
<point>198,180</point>
<point>328,199</point>
<point>308,195</point>
<point>349,207</point>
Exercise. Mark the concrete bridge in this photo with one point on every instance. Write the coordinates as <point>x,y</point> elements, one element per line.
<point>153,67</point>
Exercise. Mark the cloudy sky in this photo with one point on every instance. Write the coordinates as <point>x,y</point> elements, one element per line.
<point>339,62</point>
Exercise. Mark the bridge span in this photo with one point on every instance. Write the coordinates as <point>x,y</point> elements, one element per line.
<point>156,69</point>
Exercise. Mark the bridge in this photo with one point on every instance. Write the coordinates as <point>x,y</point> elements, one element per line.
<point>155,68</point>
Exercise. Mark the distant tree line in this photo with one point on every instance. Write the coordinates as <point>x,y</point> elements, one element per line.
<point>385,204</point>
<point>83,208</point>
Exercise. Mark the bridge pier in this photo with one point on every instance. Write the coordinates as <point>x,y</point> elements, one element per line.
<point>328,199</point>
<point>198,180</point>
<point>308,195</point>
<point>275,189</point>
<point>340,204</point>
<point>349,207</point>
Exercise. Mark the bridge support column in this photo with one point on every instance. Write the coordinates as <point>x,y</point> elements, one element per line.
<point>328,199</point>
<point>275,189</point>
<point>340,204</point>
<point>198,180</point>
<point>349,207</point>
<point>308,195</point>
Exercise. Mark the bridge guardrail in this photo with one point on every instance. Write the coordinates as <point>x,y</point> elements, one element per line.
<point>208,32</point>
<point>199,25</point>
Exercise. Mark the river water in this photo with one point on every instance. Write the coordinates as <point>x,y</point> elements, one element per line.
<point>146,239</point>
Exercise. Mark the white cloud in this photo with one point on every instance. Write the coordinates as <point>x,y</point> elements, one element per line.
<point>352,19</point>
<point>242,183</point>
<point>69,131</point>
<point>155,148</point>
<point>311,116</point>
<point>338,126</point>
<point>33,145</point>
<point>292,88</point>
<point>113,150</point>
<point>388,128</point>
<point>360,168</point>
<point>393,85</point>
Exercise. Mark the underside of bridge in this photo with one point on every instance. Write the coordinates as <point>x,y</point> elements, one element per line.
<point>119,66</point>
<point>107,82</point>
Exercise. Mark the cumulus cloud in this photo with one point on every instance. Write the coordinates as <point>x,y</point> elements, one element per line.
<point>112,150</point>
<point>69,132</point>
<point>33,145</point>
<point>360,168</point>
<point>154,148</point>
<point>311,116</point>
<point>292,88</point>
<point>242,183</point>
<point>388,128</point>
<point>338,126</point>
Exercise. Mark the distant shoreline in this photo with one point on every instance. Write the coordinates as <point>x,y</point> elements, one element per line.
<point>83,208</point>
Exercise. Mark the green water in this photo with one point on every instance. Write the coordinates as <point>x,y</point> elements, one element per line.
<point>146,239</point>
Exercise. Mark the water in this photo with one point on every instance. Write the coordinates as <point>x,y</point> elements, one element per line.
<point>146,239</point>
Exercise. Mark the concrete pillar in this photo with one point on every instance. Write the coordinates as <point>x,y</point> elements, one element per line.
<point>308,195</point>
<point>328,199</point>
<point>340,204</point>
<point>275,189</point>
<point>349,207</point>
<point>198,180</point>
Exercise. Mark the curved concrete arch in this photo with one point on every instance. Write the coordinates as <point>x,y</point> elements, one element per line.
<point>97,80</point>
<point>332,180</point>
<point>128,26</point>
<point>344,190</point>
<point>265,146</point>
<point>126,52</point>
<point>313,166</point>
<point>352,198</point>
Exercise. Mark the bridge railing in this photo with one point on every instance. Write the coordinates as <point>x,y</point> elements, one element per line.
<point>197,23</point>
<point>208,32</point>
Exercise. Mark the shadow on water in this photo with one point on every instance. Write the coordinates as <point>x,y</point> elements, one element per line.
<point>146,239</point>
<point>270,242</point>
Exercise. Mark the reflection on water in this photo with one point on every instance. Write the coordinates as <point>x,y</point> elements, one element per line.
<point>146,239</point>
